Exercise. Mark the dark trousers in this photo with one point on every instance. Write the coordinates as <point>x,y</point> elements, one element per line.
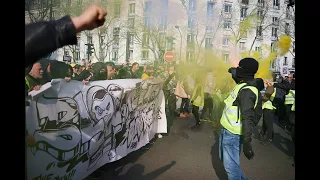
<point>170,101</point>
<point>293,136</point>
<point>208,104</point>
<point>288,112</point>
<point>184,105</point>
<point>293,130</point>
<point>195,112</point>
<point>267,125</point>
<point>282,114</point>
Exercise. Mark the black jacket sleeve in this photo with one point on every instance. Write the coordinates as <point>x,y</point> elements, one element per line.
<point>42,38</point>
<point>247,101</point>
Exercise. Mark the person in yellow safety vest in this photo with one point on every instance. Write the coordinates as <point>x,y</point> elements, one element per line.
<point>243,110</point>
<point>288,102</point>
<point>268,114</point>
<point>292,120</point>
<point>197,100</point>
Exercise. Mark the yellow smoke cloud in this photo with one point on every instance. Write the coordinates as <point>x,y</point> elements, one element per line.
<point>264,62</point>
<point>284,44</point>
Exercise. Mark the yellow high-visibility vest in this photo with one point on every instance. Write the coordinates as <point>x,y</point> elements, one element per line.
<point>199,100</point>
<point>268,104</point>
<point>230,119</point>
<point>289,97</point>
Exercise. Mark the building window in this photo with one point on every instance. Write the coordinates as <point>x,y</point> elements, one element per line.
<point>163,23</point>
<point>294,62</point>
<point>285,61</point>
<point>162,40</point>
<point>145,39</point>
<point>78,56</point>
<point>260,13</point>
<point>273,47</point>
<point>131,39</point>
<point>226,58</point>
<point>114,55</point>
<point>101,38</point>
<point>287,29</point>
<point>190,56</point>
<point>68,3</point>
<point>208,43</point>
<point>276,3</point>
<point>145,54</point>
<point>89,38</point>
<point>170,44</point>
<point>147,6</point>
<point>147,22</point>
<point>192,5</point>
<point>246,2</point>
<point>227,8</point>
<point>132,8</point>
<point>227,24</point>
<point>275,20</point>
<point>288,13</point>
<point>261,3</point>
<point>293,46</point>
<point>225,41</point>
<point>53,15</point>
<point>259,31</point>
<point>131,23</point>
<point>257,48</point>
<point>190,23</point>
<point>273,64</point>
<point>209,28</point>
<point>210,9</point>
<point>116,10</point>
<point>116,34</point>
<point>190,40</point>
<point>130,54</point>
<point>79,2</point>
<point>243,13</point>
<point>274,32</point>
<point>242,46</point>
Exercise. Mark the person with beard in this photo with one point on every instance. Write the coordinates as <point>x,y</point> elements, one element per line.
<point>99,71</point>
<point>45,63</point>
<point>33,78</point>
<point>242,112</point>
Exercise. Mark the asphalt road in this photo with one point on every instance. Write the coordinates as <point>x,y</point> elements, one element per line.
<point>186,154</point>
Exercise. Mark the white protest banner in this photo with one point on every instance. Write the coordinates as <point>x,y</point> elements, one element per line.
<point>79,128</point>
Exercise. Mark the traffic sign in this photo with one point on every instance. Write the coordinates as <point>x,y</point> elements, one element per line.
<point>169,56</point>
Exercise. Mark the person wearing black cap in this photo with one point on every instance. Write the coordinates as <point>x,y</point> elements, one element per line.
<point>243,110</point>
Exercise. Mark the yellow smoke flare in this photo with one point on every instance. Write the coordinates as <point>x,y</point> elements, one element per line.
<point>284,44</point>
<point>264,63</point>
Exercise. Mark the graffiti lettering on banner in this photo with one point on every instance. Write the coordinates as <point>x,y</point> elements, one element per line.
<point>79,128</point>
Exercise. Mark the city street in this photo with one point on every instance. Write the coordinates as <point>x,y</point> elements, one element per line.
<point>193,154</point>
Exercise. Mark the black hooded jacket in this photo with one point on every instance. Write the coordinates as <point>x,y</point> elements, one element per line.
<point>246,101</point>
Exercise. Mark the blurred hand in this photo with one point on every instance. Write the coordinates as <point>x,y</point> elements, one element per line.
<point>91,18</point>
<point>67,79</point>
<point>37,88</point>
<point>30,140</point>
<point>85,82</point>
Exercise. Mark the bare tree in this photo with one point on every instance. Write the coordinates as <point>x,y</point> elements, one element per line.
<point>38,10</point>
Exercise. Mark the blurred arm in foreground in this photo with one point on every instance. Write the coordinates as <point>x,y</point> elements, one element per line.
<point>45,37</point>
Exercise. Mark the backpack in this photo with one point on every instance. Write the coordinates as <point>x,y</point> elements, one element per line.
<point>258,108</point>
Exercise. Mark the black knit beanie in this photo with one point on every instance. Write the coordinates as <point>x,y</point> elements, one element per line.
<point>247,69</point>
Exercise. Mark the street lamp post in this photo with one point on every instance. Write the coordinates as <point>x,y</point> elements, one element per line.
<point>178,28</point>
